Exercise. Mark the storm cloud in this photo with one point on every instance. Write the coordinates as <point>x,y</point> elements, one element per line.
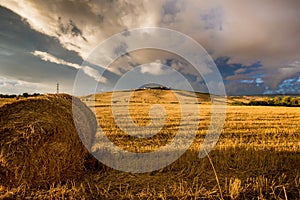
<point>247,39</point>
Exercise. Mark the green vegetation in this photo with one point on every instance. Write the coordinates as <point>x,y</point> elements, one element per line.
<point>275,101</point>
<point>11,96</point>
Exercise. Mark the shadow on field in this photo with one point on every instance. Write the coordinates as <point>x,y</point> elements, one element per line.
<point>42,157</point>
<point>242,172</point>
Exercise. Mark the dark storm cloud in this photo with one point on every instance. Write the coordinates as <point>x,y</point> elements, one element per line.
<point>79,25</point>
<point>70,28</point>
<point>239,88</point>
<point>247,32</point>
<point>18,37</point>
<point>259,38</point>
<point>18,40</point>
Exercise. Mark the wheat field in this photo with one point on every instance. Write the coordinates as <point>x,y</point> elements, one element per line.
<point>257,155</point>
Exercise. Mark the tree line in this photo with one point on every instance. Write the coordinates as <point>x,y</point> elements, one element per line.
<point>273,101</point>
<point>19,95</point>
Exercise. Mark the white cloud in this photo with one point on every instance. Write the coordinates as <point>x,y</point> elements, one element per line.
<point>50,58</point>
<point>154,68</point>
<point>245,31</point>
<point>11,85</point>
<point>93,73</point>
<point>247,81</point>
<point>259,80</point>
<point>81,25</point>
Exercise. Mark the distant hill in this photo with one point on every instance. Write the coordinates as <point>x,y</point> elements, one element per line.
<point>150,95</point>
<point>154,93</point>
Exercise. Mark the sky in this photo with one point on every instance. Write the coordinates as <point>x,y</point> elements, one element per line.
<point>254,44</point>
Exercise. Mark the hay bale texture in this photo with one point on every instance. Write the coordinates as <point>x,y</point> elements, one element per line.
<point>39,141</point>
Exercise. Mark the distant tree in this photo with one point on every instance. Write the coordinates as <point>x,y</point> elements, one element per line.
<point>270,101</point>
<point>294,102</point>
<point>36,94</point>
<point>277,100</point>
<point>286,100</point>
<point>25,95</point>
<point>298,100</point>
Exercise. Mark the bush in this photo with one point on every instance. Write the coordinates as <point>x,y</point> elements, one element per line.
<point>25,94</point>
<point>276,101</point>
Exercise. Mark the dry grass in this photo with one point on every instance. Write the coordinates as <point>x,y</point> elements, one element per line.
<point>39,142</point>
<point>257,157</point>
<point>4,101</point>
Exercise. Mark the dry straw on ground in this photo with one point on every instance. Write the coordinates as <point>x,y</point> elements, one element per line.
<point>39,142</point>
<point>257,155</point>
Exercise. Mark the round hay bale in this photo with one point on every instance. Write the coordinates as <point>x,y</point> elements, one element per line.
<point>39,141</point>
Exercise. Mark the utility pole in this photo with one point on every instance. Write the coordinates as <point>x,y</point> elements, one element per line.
<point>57,87</point>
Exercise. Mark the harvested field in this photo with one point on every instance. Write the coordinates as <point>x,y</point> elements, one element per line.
<point>256,157</point>
<point>4,101</point>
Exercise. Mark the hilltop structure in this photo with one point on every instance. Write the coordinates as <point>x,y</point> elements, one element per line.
<point>153,86</point>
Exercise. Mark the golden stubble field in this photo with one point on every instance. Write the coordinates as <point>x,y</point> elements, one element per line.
<point>257,155</point>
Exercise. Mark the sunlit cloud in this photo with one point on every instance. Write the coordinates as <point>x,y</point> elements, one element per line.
<point>86,69</point>
<point>154,68</point>
<point>50,58</point>
<point>18,86</point>
<point>245,32</point>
